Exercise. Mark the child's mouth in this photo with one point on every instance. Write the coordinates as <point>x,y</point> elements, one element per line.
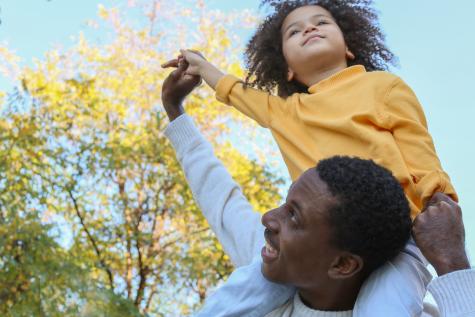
<point>312,38</point>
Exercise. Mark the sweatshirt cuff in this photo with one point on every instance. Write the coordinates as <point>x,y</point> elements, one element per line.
<point>224,87</point>
<point>455,292</point>
<point>182,133</point>
<point>435,181</point>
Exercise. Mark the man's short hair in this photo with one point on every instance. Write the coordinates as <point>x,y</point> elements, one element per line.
<point>372,216</point>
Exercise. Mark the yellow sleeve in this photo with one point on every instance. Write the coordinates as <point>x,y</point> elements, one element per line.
<point>406,120</point>
<point>253,103</point>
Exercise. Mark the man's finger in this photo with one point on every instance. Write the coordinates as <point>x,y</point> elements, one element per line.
<point>442,197</point>
<point>171,63</point>
<point>438,197</point>
<point>182,65</point>
<point>180,70</point>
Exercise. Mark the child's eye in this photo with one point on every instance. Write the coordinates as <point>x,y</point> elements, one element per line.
<point>293,32</point>
<point>322,22</point>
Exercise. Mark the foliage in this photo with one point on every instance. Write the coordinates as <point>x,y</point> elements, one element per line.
<point>95,215</point>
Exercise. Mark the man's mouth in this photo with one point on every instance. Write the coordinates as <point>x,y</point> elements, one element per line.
<point>269,253</point>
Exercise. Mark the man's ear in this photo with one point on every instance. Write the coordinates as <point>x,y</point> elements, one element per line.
<point>345,265</point>
<point>290,74</point>
<point>349,54</point>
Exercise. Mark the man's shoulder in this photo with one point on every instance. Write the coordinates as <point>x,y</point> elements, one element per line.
<point>430,310</point>
<point>283,311</point>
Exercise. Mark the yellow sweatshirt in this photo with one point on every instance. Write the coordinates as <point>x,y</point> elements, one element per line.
<point>371,115</point>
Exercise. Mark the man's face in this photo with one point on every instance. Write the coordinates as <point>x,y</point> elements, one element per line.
<point>311,38</point>
<point>298,249</point>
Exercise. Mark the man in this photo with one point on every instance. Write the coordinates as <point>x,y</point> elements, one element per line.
<point>327,238</point>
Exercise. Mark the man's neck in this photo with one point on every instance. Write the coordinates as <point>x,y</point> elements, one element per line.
<point>339,296</point>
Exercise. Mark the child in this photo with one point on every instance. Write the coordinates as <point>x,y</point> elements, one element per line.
<point>326,61</point>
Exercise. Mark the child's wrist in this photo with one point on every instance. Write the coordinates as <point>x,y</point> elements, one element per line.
<point>204,66</point>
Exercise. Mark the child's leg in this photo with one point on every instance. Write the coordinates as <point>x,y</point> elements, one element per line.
<point>396,289</point>
<point>246,293</point>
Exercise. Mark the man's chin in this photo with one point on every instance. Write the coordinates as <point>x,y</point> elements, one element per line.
<point>271,274</point>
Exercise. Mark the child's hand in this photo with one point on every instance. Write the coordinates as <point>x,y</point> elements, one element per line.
<point>199,66</point>
<point>195,60</point>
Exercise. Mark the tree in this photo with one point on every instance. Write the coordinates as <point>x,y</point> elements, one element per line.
<point>83,143</point>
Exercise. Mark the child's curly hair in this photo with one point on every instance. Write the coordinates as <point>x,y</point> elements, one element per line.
<point>357,20</point>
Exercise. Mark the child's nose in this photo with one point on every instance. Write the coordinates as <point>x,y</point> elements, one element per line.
<point>310,28</point>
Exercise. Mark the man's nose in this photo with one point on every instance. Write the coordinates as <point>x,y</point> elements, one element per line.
<point>271,220</point>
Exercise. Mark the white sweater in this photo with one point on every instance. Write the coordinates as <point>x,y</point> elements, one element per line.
<point>238,227</point>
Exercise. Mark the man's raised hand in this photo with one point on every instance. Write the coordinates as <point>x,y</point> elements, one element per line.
<point>177,86</point>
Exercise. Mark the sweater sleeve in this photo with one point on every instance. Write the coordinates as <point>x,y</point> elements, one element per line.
<point>253,103</point>
<point>405,118</point>
<point>237,226</point>
<point>454,293</point>
<point>246,293</point>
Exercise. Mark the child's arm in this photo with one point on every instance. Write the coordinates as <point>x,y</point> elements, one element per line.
<point>404,117</point>
<point>253,103</point>
<point>199,66</point>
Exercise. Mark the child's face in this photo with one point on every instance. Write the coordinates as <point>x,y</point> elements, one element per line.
<point>312,41</point>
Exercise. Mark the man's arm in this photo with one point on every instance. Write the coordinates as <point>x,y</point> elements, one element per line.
<point>228,212</point>
<point>246,293</point>
<point>440,235</point>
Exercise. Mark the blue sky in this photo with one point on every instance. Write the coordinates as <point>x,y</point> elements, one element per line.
<point>431,39</point>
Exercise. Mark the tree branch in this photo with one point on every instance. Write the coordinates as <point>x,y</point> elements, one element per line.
<point>153,292</point>
<point>143,273</point>
<point>128,241</point>
<point>143,268</point>
<point>92,240</point>
<point>169,243</point>
<point>158,223</point>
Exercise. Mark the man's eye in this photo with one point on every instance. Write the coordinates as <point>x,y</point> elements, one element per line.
<point>292,215</point>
